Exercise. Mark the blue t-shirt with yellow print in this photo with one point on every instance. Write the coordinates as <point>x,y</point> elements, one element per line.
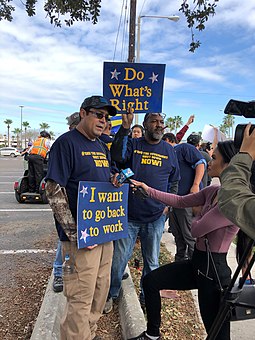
<point>154,164</point>
<point>75,158</point>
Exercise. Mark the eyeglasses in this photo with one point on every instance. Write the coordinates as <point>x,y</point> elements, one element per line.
<point>100,115</point>
<point>160,114</point>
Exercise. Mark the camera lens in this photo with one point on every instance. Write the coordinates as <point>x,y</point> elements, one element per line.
<point>239,134</point>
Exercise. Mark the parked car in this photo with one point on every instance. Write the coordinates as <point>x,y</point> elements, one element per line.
<point>9,151</point>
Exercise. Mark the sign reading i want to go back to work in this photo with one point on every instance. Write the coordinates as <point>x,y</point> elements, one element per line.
<point>101,213</point>
<point>135,85</point>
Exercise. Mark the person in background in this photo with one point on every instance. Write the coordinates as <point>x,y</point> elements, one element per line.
<point>71,160</point>
<point>184,129</point>
<point>192,165</point>
<point>195,139</point>
<point>151,159</point>
<point>137,131</point>
<point>207,270</point>
<point>106,135</point>
<point>37,155</point>
<point>25,154</point>
<point>73,120</point>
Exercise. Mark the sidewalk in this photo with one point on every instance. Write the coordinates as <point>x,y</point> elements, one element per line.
<point>131,315</point>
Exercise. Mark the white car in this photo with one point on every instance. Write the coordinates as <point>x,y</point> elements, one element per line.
<point>9,151</point>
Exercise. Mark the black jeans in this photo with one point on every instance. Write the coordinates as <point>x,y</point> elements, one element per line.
<point>186,275</point>
<point>35,172</point>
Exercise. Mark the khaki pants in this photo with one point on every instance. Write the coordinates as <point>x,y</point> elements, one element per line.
<point>86,290</point>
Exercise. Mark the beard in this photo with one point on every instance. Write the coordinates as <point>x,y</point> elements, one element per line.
<point>155,135</point>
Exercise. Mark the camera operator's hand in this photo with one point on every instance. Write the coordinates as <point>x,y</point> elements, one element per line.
<point>248,143</point>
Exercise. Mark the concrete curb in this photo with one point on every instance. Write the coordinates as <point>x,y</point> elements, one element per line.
<point>131,315</point>
<point>48,320</point>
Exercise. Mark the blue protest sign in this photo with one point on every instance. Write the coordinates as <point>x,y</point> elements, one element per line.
<point>135,85</point>
<point>101,213</point>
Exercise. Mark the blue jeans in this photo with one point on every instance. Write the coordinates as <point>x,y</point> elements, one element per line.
<point>57,265</point>
<point>150,235</point>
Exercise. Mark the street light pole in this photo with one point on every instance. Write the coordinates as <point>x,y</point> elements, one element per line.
<point>21,122</point>
<point>174,18</point>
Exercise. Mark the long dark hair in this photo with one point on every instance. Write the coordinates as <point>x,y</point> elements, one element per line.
<point>227,149</point>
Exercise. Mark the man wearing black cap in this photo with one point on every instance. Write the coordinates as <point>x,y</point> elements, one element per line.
<point>154,162</point>
<point>72,160</point>
<point>192,166</point>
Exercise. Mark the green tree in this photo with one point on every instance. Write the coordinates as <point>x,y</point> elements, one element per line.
<point>26,126</point>
<point>223,128</point>
<point>69,11</point>
<point>197,16</point>
<point>52,134</point>
<point>174,123</point>
<point>170,123</point>
<point>17,132</point>
<point>229,122</point>
<point>44,126</point>
<point>8,122</point>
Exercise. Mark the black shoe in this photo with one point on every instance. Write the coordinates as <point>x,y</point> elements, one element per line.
<point>58,284</point>
<point>125,276</point>
<point>142,336</point>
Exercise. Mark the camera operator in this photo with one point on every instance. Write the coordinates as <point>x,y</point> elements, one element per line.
<point>236,200</point>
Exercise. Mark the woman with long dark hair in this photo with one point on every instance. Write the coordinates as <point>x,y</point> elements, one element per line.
<point>208,270</point>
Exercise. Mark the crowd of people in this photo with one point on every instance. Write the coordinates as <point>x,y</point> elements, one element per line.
<point>202,217</point>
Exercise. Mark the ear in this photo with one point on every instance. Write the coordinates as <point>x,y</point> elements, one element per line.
<point>83,113</point>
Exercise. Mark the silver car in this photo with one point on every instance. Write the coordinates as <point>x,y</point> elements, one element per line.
<point>9,151</point>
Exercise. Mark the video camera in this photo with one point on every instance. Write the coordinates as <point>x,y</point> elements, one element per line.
<point>239,108</point>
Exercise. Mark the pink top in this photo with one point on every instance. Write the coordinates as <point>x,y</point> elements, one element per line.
<point>219,231</point>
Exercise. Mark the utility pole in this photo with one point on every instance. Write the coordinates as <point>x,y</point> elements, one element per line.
<point>132,22</point>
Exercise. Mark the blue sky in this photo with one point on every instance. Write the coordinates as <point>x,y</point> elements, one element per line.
<point>51,70</point>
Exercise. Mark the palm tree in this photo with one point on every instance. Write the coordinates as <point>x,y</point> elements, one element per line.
<point>26,126</point>
<point>52,134</point>
<point>44,126</point>
<point>229,121</point>
<point>170,123</point>
<point>8,122</point>
<point>223,128</point>
<point>17,132</point>
<point>176,123</point>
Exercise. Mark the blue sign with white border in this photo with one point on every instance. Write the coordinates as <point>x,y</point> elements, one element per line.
<point>135,85</point>
<point>101,213</point>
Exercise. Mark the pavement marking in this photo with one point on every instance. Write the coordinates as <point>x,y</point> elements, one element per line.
<point>7,192</point>
<point>26,210</point>
<point>9,176</point>
<point>6,182</point>
<point>26,251</point>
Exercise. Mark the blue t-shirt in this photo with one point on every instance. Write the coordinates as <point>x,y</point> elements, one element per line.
<point>154,164</point>
<point>75,158</point>
<point>188,156</point>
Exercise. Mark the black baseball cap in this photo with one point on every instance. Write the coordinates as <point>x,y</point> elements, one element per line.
<point>98,102</point>
<point>194,139</point>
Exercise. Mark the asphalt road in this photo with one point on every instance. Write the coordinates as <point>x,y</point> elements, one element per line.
<point>22,226</point>
<point>27,240</point>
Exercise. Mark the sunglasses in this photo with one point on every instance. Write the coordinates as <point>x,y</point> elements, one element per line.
<point>100,115</point>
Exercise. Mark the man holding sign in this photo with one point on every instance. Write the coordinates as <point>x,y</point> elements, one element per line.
<point>155,161</point>
<point>79,155</point>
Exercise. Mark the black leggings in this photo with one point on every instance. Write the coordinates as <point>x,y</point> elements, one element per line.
<point>187,275</point>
